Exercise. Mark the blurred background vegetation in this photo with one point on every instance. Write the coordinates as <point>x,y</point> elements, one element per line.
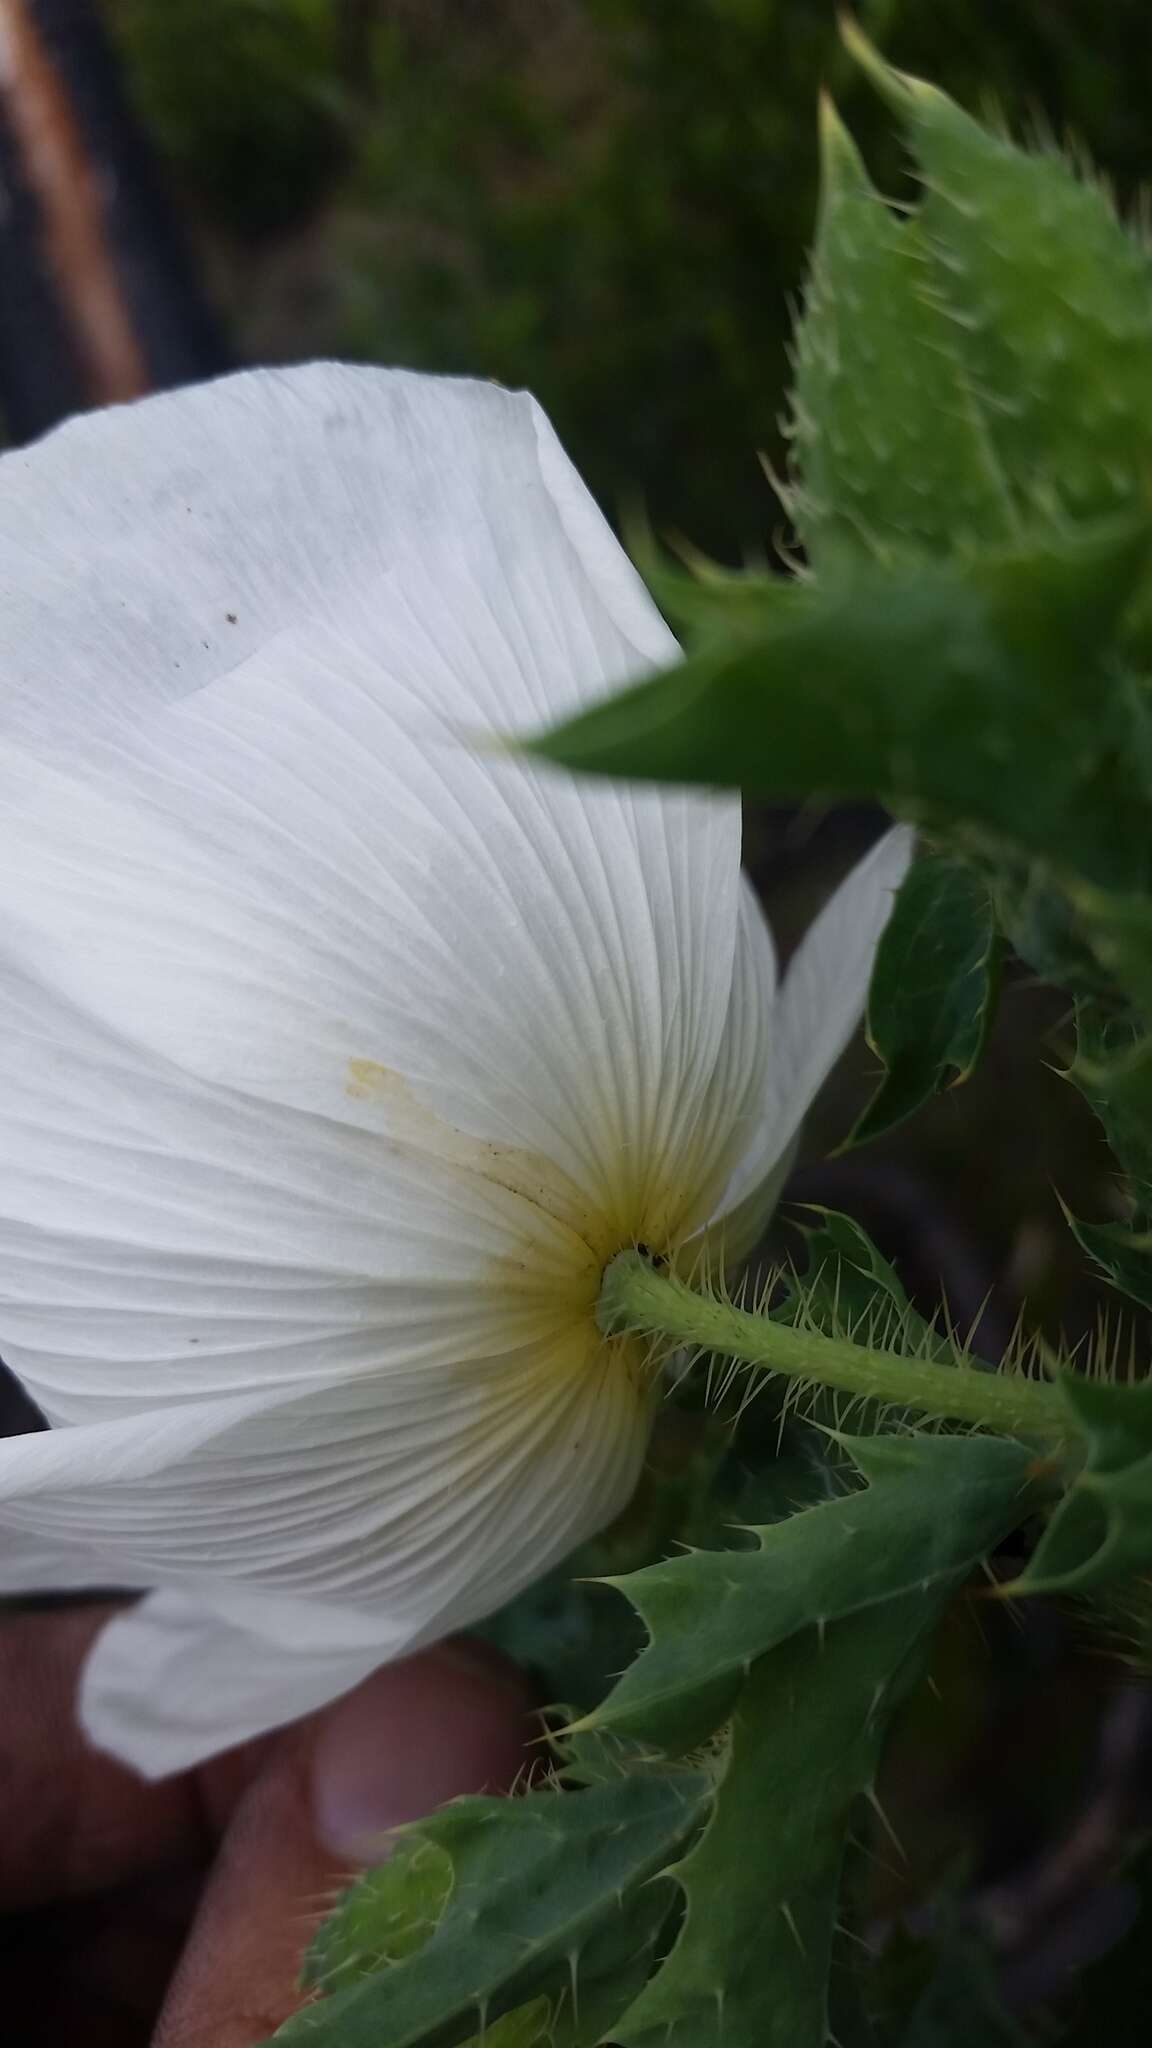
<point>605,200</point>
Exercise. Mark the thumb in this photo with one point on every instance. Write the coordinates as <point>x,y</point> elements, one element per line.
<point>417,1733</point>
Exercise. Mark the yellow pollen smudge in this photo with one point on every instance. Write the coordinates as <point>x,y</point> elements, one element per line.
<point>563,1238</point>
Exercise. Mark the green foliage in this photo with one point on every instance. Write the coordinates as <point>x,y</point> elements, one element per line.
<point>894,451</point>
<point>934,988</point>
<point>563,1897</point>
<point>384,1918</point>
<point>847,1289</point>
<point>923,686</point>
<point>971,645</point>
<point>240,95</point>
<point>931,1508</point>
<point>1102,1529</point>
<point>1050,299</point>
<point>750,1967</point>
<point>551,1896</point>
<point>714,1463</point>
<point>1113,1068</point>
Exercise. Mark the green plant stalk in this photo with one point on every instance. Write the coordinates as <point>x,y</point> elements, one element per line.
<point>636,1297</point>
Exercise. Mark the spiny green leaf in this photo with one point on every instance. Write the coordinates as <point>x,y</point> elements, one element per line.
<point>1120,924</point>
<point>599,1756</point>
<point>976,694</point>
<point>891,446</point>
<point>1123,1254</point>
<point>568,1631</point>
<point>932,1507</point>
<point>1051,298</point>
<point>1113,1070</point>
<point>552,1895</point>
<point>700,598</point>
<point>389,1914</point>
<point>529,2026</point>
<point>386,1915</point>
<point>934,988</point>
<point>848,1287</point>
<point>1043,928</point>
<point>1102,1529</point>
<point>751,1964</point>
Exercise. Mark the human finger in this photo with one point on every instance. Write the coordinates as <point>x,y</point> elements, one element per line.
<point>412,1736</point>
<point>73,1821</point>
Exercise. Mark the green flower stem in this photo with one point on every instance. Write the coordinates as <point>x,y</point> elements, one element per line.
<point>636,1297</point>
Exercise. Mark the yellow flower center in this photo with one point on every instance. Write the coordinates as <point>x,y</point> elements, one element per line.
<point>560,1236</point>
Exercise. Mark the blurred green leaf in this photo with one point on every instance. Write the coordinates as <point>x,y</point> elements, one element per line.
<point>933,992</point>
<point>979,696</point>
<point>1051,301</point>
<point>244,98</point>
<point>1113,1070</point>
<point>892,448</point>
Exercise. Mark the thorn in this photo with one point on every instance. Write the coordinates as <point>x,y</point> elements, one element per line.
<point>790,1923</point>
<point>872,1797</point>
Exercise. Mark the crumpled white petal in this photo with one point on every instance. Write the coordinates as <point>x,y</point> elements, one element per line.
<point>342,1050</point>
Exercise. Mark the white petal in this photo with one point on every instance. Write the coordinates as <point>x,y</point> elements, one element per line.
<point>174,1681</point>
<point>820,1004</point>
<point>826,987</point>
<point>312,494</point>
<point>341,1527</point>
<point>30,1564</point>
<point>339,1051</point>
<point>267,909</point>
<point>161,1239</point>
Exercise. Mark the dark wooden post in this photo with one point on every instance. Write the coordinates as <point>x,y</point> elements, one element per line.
<point>98,296</point>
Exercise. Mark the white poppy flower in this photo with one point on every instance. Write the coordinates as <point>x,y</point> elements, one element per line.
<point>339,1055</point>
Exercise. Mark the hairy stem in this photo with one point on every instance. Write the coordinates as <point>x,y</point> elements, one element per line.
<point>636,1297</point>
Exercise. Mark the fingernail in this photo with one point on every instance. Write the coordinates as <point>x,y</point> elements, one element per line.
<point>414,1735</point>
